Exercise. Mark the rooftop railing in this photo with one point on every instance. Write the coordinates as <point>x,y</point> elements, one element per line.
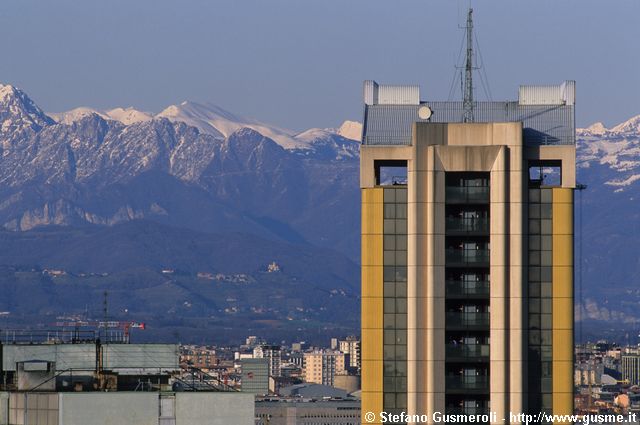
<point>542,124</point>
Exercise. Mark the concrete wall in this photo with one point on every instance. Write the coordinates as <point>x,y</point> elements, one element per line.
<point>141,356</point>
<point>83,356</point>
<point>97,408</point>
<point>215,408</point>
<point>320,412</point>
<point>4,408</point>
<point>129,408</point>
<point>66,356</point>
<point>349,383</point>
<point>37,375</point>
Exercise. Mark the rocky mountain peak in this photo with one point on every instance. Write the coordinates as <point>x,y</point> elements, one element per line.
<point>351,130</point>
<point>632,125</point>
<point>18,113</point>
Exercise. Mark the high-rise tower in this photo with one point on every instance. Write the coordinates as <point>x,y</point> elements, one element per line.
<point>467,253</point>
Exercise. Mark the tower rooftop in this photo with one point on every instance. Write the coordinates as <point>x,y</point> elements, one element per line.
<point>547,113</point>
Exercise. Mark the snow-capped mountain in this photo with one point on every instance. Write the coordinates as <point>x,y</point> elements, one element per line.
<point>20,117</point>
<point>124,115</point>
<point>631,126</point>
<point>220,123</point>
<point>616,150</point>
<point>608,163</point>
<point>109,167</point>
<point>216,121</point>
<point>213,120</point>
<point>351,130</point>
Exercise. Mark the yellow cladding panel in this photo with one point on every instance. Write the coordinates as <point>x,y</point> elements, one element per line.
<point>371,402</point>
<point>371,375</point>
<point>562,313</point>
<point>563,282</point>
<point>372,228</point>
<point>562,227</point>
<point>372,313</point>
<point>371,250</point>
<point>562,195</point>
<point>372,301</point>
<point>563,403</point>
<point>372,211</point>
<point>371,281</point>
<point>562,219</point>
<point>372,195</point>
<point>562,250</point>
<point>372,345</point>
<point>372,219</point>
<point>562,301</point>
<point>562,345</point>
<point>562,376</point>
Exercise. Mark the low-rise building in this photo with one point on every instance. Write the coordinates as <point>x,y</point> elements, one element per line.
<point>126,408</point>
<point>198,356</point>
<point>90,383</point>
<point>306,412</point>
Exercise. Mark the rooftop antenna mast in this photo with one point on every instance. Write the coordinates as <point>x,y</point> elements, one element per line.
<point>467,102</point>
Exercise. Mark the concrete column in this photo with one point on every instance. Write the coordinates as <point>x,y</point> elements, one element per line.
<point>413,378</point>
<point>436,288</point>
<point>517,292</point>
<point>499,260</point>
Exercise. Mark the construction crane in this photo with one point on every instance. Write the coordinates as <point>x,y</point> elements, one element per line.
<point>124,326</point>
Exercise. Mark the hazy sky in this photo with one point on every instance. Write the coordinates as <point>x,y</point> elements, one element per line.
<point>301,63</point>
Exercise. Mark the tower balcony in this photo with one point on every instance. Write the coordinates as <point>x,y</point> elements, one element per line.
<point>455,320</point>
<point>464,226</point>
<point>467,195</point>
<point>465,353</point>
<point>467,410</point>
<point>467,384</point>
<point>467,257</point>
<point>467,289</point>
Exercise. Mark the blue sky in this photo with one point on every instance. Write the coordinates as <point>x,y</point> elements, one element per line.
<point>300,63</point>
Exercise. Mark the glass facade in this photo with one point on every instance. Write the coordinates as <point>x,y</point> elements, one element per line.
<point>540,304</point>
<point>395,299</point>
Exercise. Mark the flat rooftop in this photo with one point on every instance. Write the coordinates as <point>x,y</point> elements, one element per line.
<point>547,113</point>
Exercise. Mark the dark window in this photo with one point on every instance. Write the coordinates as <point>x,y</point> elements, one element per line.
<point>545,173</point>
<point>390,173</point>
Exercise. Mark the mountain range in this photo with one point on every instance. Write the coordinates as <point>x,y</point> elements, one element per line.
<point>608,163</point>
<point>144,205</point>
